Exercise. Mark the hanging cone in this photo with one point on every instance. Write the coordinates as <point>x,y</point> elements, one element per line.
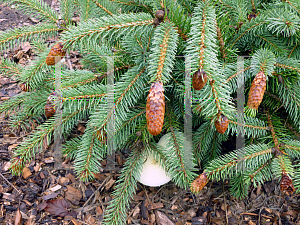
<point>24,87</point>
<point>101,135</point>
<point>49,110</point>
<point>155,108</point>
<point>160,14</point>
<point>199,183</point>
<point>199,79</point>
<point>286,184</point>
<point>257,90</point>
<point>221,124</point>
<point>56,50</point>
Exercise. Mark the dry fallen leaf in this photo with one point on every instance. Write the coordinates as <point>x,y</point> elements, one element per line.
<point>59,207</point>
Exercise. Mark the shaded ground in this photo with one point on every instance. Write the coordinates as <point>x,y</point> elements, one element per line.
<point>43,195</point>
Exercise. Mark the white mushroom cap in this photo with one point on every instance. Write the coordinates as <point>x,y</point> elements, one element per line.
<point>153,174</point>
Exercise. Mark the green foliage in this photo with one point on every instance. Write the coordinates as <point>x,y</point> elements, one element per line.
<point>193,35</point>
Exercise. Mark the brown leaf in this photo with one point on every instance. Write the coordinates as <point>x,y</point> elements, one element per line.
<point>18,218</point>
<point>59,207</point>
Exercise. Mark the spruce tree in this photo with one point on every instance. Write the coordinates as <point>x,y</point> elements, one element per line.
<point>145,38</point>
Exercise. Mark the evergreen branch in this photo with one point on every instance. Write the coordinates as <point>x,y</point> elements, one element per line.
<point>282,165</point>
<point>102,7</point>
<point>162,57</point>
<point>125,189</point>
<point>67,10</point>
<point>263,60</point>
<point>221,43</point>
<point>287,67</point>
<point>178,153</point>
<point>293,49</point>
<point>89,154</point>
<point>290,127</point>
<point>9,67</point>
<point>18,35</point>
<point>274,136</point>
<point>247,31</point>
<point>248,125</point>
<point>291,4</point>
<point>36,73</point>
<point>290,98</point>
<point>251,155</point>
<point>133,3</point>
<point>267,163</point>
<point>130,85</point>
<point>179,164</point>
<point>201,48</point>
<point>70,148</point>
<point>41,136</point>
<point>237,73</point>
<point>94,28</point>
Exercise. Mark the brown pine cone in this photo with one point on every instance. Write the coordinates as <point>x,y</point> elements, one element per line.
<point>199,79</point>
<point>251,16</point>
<point>257,90</point>
<point>160,14</point>
<point>101,135</point>
<point>286,184</point>
<point>49,110</point>
<point>199,183</point>
<point>56,50</point>
<point>24,87</point>
<point>221,124</point>
<point>155,108</point>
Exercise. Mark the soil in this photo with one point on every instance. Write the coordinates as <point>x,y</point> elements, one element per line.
<point>45,195</point>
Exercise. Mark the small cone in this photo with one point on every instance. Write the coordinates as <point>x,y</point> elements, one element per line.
<point>221,124</point>
<point>155,108</point>
<point>56,50</point>
<point>286,184</point>
<point>199,183</point>
<point>101,135</point>
<point>160,14</point>
<point>257,90</point>
<point>199,79</point>
<point>49,110</point>
<point>24,87</point>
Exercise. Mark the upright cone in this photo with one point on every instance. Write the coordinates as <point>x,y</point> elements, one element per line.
<point>155,108</point>
<point>199,183</point>
<point>257,90</point>
<point>221,124</point>
<point>56,50</point>
<point>199,79</point>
